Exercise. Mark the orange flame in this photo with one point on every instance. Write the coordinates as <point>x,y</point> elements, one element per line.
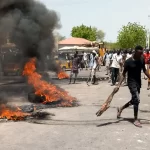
<point>8,113</point>
<point>43,88</point>
<point>62,75</point>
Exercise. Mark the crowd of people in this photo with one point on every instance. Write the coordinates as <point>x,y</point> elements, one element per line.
<point>113,60</point>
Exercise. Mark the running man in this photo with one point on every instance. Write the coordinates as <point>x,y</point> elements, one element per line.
<point>133,67</point>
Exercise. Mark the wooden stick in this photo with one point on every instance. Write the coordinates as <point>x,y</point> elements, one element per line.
<point>106,105</point>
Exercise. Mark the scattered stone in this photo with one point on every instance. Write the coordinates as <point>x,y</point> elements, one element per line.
<point>140,141</point>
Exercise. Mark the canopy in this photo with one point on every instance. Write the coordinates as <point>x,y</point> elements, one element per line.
<point>77,48</point>
<point>74,41</point>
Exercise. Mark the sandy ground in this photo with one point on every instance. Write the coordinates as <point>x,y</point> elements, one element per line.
<point>79,127</point>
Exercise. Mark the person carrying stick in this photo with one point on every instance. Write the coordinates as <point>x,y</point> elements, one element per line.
<point>92,76</point>
<point>133,67</point>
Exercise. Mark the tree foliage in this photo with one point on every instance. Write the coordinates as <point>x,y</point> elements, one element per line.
<point>131,35</point>
<point>84,32</point>
<point>111,45</point>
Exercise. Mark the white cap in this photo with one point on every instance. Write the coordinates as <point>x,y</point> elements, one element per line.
<point>94,52</point>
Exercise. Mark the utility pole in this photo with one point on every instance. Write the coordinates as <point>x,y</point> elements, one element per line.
<point>147,39</point>
<point>148,35</point>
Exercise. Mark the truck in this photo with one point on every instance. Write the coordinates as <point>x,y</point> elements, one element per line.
<point>10,60</point>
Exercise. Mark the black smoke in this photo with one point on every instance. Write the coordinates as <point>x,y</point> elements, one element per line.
<point>30,25</point>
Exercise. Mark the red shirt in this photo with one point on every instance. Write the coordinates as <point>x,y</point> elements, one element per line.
<point>146,57</point>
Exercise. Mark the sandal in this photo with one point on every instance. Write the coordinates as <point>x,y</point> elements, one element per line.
<point>137,123</point>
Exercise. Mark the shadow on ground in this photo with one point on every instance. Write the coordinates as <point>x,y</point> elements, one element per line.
<point>130,120</point>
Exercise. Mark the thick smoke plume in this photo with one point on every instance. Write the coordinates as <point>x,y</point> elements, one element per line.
<point>29,24</point>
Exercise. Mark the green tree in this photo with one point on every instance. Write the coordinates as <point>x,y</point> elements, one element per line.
<point>85,32</point>
<point>111,46</point>
<point>131,35</point>
<point>100,35</point>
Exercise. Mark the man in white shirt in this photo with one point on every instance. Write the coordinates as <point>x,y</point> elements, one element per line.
<point>129,55</point>
<point>95,61</point>
<point>85,59</point>
<point>115,66</point>
<point>92,76</point>
<point>107,60</point>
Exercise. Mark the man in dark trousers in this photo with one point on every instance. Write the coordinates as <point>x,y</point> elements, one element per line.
<point>75,67</point>
<point>133,67</point>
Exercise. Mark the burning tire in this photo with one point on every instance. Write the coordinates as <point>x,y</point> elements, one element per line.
<point>40,99</point>
<point>35,98</point>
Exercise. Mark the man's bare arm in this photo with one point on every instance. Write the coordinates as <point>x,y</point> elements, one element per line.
<point>146,70</point>
<point>147,73</point>
<point>123,74</point>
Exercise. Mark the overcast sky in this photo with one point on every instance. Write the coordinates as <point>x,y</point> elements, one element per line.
<point>108,15</point>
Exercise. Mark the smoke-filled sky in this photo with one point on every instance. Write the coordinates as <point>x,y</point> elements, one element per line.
<point>108,15</point>
<point>29,24</point>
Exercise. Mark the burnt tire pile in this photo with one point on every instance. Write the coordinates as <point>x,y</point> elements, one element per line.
<point>33,98</point>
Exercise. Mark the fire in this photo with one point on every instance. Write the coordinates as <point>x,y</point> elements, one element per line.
<point>62,75</point>
<point>12,114</point>
<point>43,88</point>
